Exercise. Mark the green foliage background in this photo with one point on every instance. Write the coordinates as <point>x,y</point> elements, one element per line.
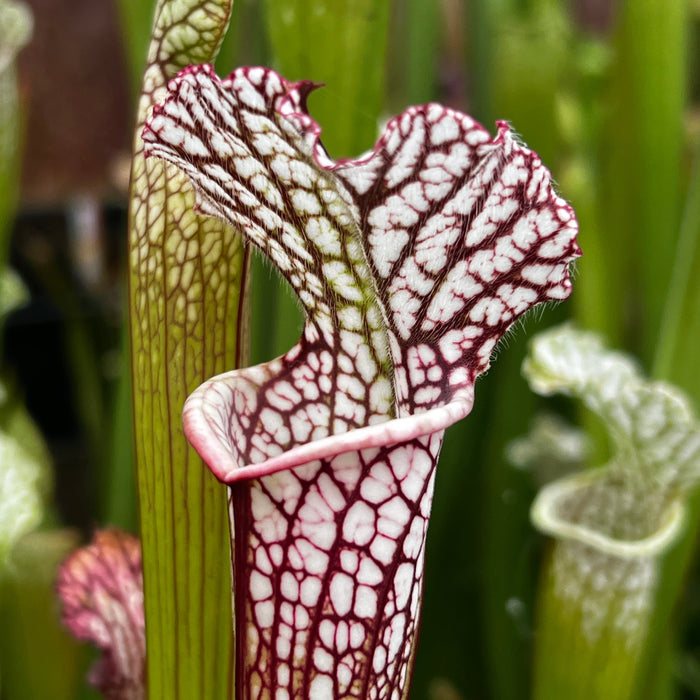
<point>609,100</point>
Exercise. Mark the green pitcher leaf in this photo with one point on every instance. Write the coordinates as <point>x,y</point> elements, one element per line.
<point>612,524</point>
<point>186,275</point>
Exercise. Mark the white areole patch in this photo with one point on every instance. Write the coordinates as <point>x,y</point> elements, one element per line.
<point>326,238</point>
<point>365,602</point>
<point>349,561</point>
<point>445,129</point>
<point>432,243</point>
<point>435,175</point>
<point>412,279</point>
<point>265,614</point>
<point>247,166</point>
<point>312,559</point>
<point>393,517</point>
<point>369,573</point>
<point>486,222</point>
<point>403,584</point>
<point>555,246</point>
<point>189,141</point>
<point>273,526</point>
<point>305,202</point>
<point>321,688</point>
<point>341,592</point>
<point>406,159</point>
<point>518,299</point>
<point>303,175</point>
<point>489,310</point>
<point>458,160</point>
<point>359,524</point>
<point>452,296</point>
<point>413,198</point>
<point>340,279</point>
<point>379,485</point>
<point>456,342</point>
<point>260,586</point>
<point>323,661</point>
<point>398,625</point>
<point>361,177</point>
<point>282,396</point>
<point>382,549</point>
<point>538,274</point>
<point>405,307</point>
<point>418,360</point>
<point>248,95</point>
<point>222,145</point>
<point>309,591</point>
<point>386,246</point>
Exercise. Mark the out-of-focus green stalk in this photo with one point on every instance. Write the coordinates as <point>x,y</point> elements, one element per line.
<point>277,318</point>
<point>342,45</point>
<point>676,361</point>
<point>673,267</point>
<point>642,183</point>
<point>530,63</point>
<point>579,116</point>
<point>119,493</point>
<point>521,62</point>
<point>136,19</point>
<point>480,40</point>
<point>594,285</point>
<point>508,578</point>
<point>632,247</point>
<point>422,57</point>
<point>39,658</point>
<point>568,665</point>
<point>245,43</point>
<point>451,644</point>
<point>185,277</point>
<point>679,339</point>
<point>415,53</point>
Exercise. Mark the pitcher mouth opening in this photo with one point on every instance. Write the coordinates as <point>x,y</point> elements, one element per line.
<point>546,517</point>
